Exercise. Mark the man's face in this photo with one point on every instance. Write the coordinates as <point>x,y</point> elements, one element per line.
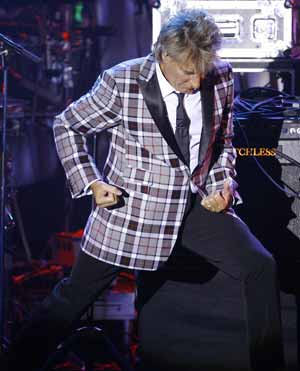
<point>183,77</point>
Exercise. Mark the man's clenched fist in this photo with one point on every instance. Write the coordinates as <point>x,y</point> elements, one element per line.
<point>220,200</point>
<point>105,195</point>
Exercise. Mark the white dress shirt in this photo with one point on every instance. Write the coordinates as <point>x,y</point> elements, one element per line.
<point>192,104</point>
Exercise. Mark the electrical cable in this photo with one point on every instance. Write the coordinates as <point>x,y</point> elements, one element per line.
<point>246,106</point>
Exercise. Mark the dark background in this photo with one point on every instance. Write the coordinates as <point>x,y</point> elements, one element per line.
<point>109,32</point>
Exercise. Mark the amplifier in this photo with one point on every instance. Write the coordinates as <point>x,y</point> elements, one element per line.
<point>282,135</point>
<point>289,141</point>
<point>273,214</point>
<point>290,129</point>
<point>251,28</point>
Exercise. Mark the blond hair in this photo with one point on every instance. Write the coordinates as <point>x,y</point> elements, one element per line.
<point>190,35</point>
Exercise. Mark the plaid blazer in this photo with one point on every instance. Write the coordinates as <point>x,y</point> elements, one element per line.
<point>143,160</point>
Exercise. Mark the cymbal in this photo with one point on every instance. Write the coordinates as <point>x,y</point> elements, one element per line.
<point>5,23</point>
<point>13,102</point>
<point>15,107</point>
<point>96,30</point>
<point>9,26</point>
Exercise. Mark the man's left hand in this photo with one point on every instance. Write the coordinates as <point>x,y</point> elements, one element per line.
<point>220,200</point>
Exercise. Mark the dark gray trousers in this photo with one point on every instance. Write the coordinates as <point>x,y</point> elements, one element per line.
<point>223,240</point>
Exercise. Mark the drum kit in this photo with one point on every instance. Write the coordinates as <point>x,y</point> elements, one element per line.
<point>65,35</point>
<point>42,61</point>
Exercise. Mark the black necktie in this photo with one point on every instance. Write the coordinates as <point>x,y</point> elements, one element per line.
<point>182,134</point>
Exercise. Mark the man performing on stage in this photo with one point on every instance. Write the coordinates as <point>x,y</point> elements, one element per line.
<point>169,176</point>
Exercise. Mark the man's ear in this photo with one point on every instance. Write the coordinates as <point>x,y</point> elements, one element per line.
<point>164,56</point>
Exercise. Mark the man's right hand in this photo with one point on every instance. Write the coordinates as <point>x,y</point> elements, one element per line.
<point>105,195</point>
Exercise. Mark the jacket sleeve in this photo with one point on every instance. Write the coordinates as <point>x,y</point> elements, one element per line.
<point>224,163</point>
<point>97,110</point>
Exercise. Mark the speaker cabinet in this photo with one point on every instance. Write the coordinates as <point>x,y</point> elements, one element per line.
<point>268,167</point>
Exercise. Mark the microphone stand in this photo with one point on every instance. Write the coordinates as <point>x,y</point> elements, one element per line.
<point>3,54</point>
<point>6,47</point>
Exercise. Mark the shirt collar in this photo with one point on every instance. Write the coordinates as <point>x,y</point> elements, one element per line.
<point>165,87</point>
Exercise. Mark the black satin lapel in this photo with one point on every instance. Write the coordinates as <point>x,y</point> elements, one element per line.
<point>155,103</point>
<point>207,101</point>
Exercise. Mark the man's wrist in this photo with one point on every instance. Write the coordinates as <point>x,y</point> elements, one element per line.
<point>87,189</point>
